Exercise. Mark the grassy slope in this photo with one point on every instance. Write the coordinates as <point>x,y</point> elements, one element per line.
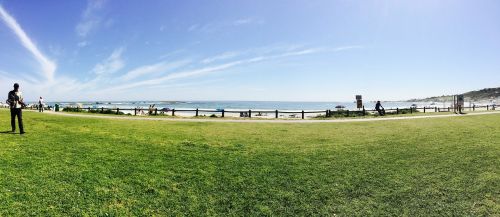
<point>477,95</point>
<point>67,165</point>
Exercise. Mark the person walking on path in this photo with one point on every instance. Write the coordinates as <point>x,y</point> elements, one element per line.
<point>40,105</point>
<point>16,104</point>
<point>380,109</point>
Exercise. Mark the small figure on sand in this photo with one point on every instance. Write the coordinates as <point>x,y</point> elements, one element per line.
<point>16,104</point>
<point>40,104</point>
<point>380,109</point>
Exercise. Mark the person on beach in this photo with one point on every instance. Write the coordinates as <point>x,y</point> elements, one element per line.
<point>16,104</point>
<point>151,109</point>
<point>380,109</point>
<point>40,105</point>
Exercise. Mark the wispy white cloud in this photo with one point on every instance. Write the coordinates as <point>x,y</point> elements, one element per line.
<point>47,65</point>
<point>111,64</point>
<point>83,44</point>
<point>147,70</point>
<point>90,20</point>
<point>193,27</point>
<point>212,69</point>
<point>222,56</point>
<point>216,26</point>
<point>245,21</point>
<point>348,48</point>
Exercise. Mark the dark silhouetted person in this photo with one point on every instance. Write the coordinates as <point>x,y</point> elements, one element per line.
<point>380,109</point>
<point>40,105</point>
<point>16,104</point>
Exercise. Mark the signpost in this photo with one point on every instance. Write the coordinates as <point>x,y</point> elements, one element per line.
<point>359,102</point>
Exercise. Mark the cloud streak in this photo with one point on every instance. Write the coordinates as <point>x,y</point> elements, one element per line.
<point>212,69</point>
<point>47,65</point>
<point>153,69</point>
<point>223,56</point>
<point>89,20</point>
<point>110,65</point>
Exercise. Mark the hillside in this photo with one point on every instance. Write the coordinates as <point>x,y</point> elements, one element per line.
<point>478,95</point>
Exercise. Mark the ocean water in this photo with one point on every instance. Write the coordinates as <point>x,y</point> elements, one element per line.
<point>243,105</point>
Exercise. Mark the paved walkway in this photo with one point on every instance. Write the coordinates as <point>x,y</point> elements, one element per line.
<point>269,121</point>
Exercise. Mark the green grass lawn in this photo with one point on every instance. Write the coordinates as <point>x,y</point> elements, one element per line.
<point>85,166</point>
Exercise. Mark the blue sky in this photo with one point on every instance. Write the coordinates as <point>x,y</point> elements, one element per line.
<point>297,50</point>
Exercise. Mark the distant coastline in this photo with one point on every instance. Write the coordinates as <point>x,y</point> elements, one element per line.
<point>486,95</point>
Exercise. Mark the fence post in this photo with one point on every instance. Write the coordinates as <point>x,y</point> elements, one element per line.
<point>156,111</point>
<point>276,113</point>
<point>135,111</point>
<point>487,108</point>
<point>424,109</point>
<point>397,111</point>
<point>223,112</point>
<point>117,110</point>
<point>196,112</point>
<point>250,113</point>
<point>302,114</point>
<point>173,112</point>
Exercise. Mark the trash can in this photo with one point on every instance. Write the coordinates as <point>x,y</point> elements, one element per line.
<point>57,107</point>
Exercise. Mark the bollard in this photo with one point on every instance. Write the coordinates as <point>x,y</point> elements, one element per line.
<point>302,114</point>
<point>222,112</point>
<point>117,110</point>
<point>196,112</point>
<point>276,113</point>
<point>487,107</point>
<point>397,111</point>
<point>173,112</point>
<point>424,109</point>
<point>474,108</point>
<point>250,113</point>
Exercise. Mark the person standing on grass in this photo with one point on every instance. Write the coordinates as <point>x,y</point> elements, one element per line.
<point>40,105</point>
<point>380,109</point>
<point>16,104</point>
